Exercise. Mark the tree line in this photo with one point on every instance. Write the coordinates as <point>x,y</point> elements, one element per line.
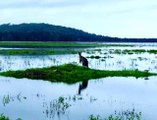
<point>47,32</point>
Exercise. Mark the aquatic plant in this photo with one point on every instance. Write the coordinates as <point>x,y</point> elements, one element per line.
<point>2,117</point>
<point>98,57</point>
<point>117,51</point>
<point>70,73</point>
<point>133,51</point>
<point>36,51</point>
<point>9,98</point>
<point>56,107</point>
<point>94,57</point>
<point>18,119</point>
<point>124,115</point>
<point>6,100</point>
<point>152,51</point>
<point>98,50</point>
<point>38,44</point>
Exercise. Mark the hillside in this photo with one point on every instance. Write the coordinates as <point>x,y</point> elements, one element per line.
<point>47,32</point>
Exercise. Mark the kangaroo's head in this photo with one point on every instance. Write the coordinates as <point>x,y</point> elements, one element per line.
<point>79,53</point>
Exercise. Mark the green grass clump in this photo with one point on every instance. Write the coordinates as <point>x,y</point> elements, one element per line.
<point>70,73</point>
<point>2,117</point>
<point>137,51</point>
<point>134,51</point>
<point>152,51</point>
<point>126,51</point>
<point>94,57</point>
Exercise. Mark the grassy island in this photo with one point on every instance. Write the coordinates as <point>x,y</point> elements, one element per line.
<point>70,73</point>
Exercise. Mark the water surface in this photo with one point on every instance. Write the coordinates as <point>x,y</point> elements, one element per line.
<point>43,100</point>
<point>37,99</point>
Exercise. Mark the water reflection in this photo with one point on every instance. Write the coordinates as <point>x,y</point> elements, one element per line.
<point>40,100</point>
<point>82,86</point>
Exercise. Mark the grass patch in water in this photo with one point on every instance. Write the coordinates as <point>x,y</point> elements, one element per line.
<point>36,51</point>
<point>134,51</point>
<point>126,51</point>
<point>94,57</point>
<point>55,44</point>
<point>70,73</point>
<point>98,57</point>
<point>45,44</point>
<point>152,51</point>
<point>120,115</point>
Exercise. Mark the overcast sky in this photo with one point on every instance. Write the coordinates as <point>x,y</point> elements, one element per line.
<point>116,18</point>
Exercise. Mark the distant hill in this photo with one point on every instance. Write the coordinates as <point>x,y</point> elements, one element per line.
<point>47,32</point>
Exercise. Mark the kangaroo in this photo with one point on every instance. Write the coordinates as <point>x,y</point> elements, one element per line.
<point>83,60</point>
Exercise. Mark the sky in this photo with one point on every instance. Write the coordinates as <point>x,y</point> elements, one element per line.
<point>115,18</point>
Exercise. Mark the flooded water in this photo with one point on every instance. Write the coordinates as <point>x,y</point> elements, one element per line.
<point>42,100</point>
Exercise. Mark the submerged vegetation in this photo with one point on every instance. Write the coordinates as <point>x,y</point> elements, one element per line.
<point>56,107</point>
<point>119,51</point>
<point>36,51</point>
<point>125,115</point>
<point>134,51</point>
<point>105,53</point>
<point>41,48</point>
<point>59,107</point>
<point>94,57</point>
<point>37,44</point>
<point>70,73</point>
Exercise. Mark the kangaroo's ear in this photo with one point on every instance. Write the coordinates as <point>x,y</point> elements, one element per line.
<point>79,53</point>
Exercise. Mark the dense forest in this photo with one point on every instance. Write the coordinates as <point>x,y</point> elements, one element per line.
<point>47,32</point>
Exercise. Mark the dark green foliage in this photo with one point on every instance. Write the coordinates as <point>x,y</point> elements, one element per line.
<point>70,73</point>
<point>2,117</point>
<point>94,57</point>
<point>44,32</point>
<point>137,51</point>
<point>47,32</point>
<point>152,51</point>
